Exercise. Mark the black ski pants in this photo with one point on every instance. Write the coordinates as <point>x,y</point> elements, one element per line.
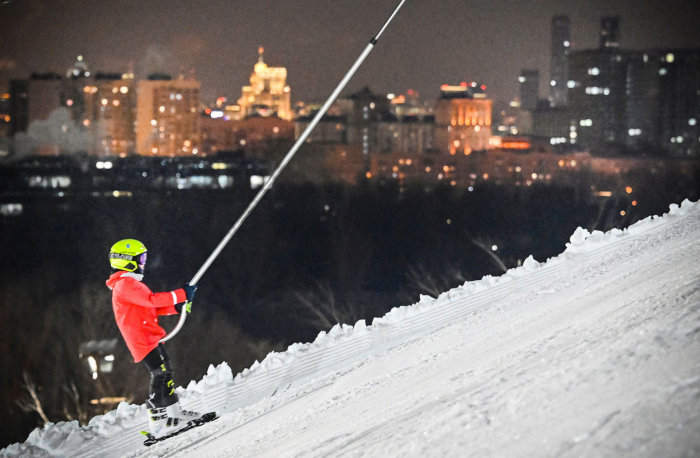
<point>162,390</point>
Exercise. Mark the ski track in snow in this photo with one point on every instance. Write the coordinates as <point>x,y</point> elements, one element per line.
<point>600,360</point>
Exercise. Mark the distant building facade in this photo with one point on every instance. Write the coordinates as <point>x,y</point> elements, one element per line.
<point>462,119</point>
<point>636,102</point>
<point>597,98</point>
<point>167,116</point>
<point>560,46</point>
<point>663,104</point>
<point>111,114</point>
<point>268,93</point>
<point>609,32</point>
<point>529,89</point>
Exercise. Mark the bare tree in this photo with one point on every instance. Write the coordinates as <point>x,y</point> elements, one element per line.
<point>486,245</point>
<point>32,403</point>
<point>325,311</point>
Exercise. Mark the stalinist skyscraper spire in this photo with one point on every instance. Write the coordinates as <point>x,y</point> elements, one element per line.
<point>268,93</point>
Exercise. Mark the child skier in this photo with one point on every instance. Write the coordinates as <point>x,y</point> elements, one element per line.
<point>136,310</point>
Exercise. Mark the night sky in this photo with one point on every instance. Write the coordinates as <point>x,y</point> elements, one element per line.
<point>430,42</point>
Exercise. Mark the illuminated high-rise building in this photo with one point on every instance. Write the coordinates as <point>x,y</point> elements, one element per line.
<point>268,93</point>
<point>110,114</point>
<point>561,43</point>
<point>609,32</point>
<point>529,89</point>
<point>167,117</point>
<point>663,107</point>
<point>597,100</point>
<point>462,119</point>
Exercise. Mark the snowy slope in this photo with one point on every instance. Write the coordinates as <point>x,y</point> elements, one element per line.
<point>595,353</point>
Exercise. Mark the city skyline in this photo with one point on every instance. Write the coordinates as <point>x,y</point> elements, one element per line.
<point>429,44</point>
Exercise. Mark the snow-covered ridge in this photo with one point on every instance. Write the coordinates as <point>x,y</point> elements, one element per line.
<point>116,433</point>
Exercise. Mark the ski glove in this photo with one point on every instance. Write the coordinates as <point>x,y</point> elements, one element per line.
<point>189,294</point>
<point>189,291</point>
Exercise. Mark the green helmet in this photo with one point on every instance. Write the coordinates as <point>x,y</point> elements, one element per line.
<point>128,254</point>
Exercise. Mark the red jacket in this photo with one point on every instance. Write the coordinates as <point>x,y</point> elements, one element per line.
<point>136,309</point>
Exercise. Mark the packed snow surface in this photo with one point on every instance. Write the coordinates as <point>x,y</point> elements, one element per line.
<point>594,353</point>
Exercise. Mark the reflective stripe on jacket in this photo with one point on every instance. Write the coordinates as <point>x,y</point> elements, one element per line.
<point>136,309</point>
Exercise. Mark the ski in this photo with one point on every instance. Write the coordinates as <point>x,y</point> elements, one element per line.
<point>206,418</point>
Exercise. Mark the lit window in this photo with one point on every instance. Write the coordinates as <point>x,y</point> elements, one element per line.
<point>662,71</point>
<point>670,58</point>
<point>594,71</point>
<point>154,122</point>
<point>566,43</point>
<point>521,79</point>
<point>571,84</point>
<point>692,121</point>
<point>553,83</point>
<point>123,89</point>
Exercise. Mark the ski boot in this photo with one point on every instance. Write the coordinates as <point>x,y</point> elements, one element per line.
<point>175,411</point>
<point>161,424</point>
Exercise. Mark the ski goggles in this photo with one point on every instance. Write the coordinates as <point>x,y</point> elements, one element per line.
<point>142,260</point>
